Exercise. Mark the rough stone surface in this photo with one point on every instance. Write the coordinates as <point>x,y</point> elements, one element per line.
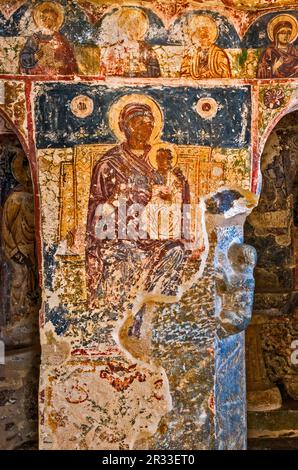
<point>271,228</point>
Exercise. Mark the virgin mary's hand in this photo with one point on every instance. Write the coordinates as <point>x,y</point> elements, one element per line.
<point>277,64</point>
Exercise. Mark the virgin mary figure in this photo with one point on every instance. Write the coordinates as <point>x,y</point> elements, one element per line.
<point>121,260</point>
<point>280,58</point>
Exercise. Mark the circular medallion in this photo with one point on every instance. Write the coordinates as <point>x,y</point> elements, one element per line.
<point>207,108</point>
<point>82,106</point>
<point>196,22</point>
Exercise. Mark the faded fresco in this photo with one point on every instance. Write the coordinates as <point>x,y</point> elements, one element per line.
<point>107,39</point>
<point>19,298</point>
<point>20,293</point>
<point>127,235</point>
<point>144,124</point>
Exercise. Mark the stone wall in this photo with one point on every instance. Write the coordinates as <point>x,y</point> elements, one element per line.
<point>272,231</point>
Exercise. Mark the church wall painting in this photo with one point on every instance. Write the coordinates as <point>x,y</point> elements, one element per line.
<point>199,44</point>
<point>113,375</point>
<point>19,296</point>
<point>110,332</point>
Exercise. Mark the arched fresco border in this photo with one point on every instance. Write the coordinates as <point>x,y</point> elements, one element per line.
<point>271,116</point>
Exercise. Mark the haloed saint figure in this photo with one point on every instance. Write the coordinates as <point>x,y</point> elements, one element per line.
<point>203,58</point>
<point>131,56</point>
<point>131,268</point>
<point>18,238</point>
<point>48,52</point>
<point>280,58</point>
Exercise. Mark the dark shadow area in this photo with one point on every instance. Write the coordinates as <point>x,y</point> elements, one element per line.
<point>272,228</point>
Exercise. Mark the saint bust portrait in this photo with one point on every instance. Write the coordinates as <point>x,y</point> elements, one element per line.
<point>280,58</point>
<point>203,58</point>
<point>48,52</point>
<point>131,56</point>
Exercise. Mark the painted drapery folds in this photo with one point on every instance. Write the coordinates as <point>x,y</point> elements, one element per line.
<point>129,236</point>
<point>144,124</point>
<point>116,39</point>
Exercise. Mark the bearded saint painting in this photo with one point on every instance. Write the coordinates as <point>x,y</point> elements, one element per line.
<point>280,58</point>
<point>203,58</point>
<point>48,52</point>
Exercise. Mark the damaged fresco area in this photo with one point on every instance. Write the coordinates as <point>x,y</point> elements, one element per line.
<point>19,298</point>
<point>146,146</point>
<point>117,306</point>
<point>180,40</point>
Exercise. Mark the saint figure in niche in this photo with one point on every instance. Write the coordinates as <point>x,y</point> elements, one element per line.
<point>203,58</point>
<point>129,262</point>
<point>131,56</point>
<point>280,58</point>
<point>18,238</point>
<point>48,52</point>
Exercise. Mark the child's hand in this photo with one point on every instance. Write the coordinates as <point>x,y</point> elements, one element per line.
<point>165,193</point>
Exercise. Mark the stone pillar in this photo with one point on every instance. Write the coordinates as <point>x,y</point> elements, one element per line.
<point>19,302</point>
<point>234,288</point>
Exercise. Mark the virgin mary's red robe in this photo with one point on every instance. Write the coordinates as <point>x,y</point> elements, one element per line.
<point>288,68</point>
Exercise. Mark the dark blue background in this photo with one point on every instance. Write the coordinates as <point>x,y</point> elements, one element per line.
<point>57,127</point>
<point>252,38</point>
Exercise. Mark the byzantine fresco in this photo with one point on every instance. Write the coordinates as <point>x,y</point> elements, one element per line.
<point>122,176</point>
<point>110,40</point>
<point>19,297</point>
<point>278,36</point>
<point>20,294</point>
<point>139,130</point>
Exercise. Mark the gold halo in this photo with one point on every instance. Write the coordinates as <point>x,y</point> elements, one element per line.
<point>117,107</point>
<point>141,20</point>
<point>162,145</point>
<point>203,20</point>
<point>17,168</point>
<point>281,19</point>
<point>54,6</point>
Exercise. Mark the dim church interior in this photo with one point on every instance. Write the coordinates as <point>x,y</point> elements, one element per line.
<point>272,371</point>
<point>272,380</point>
